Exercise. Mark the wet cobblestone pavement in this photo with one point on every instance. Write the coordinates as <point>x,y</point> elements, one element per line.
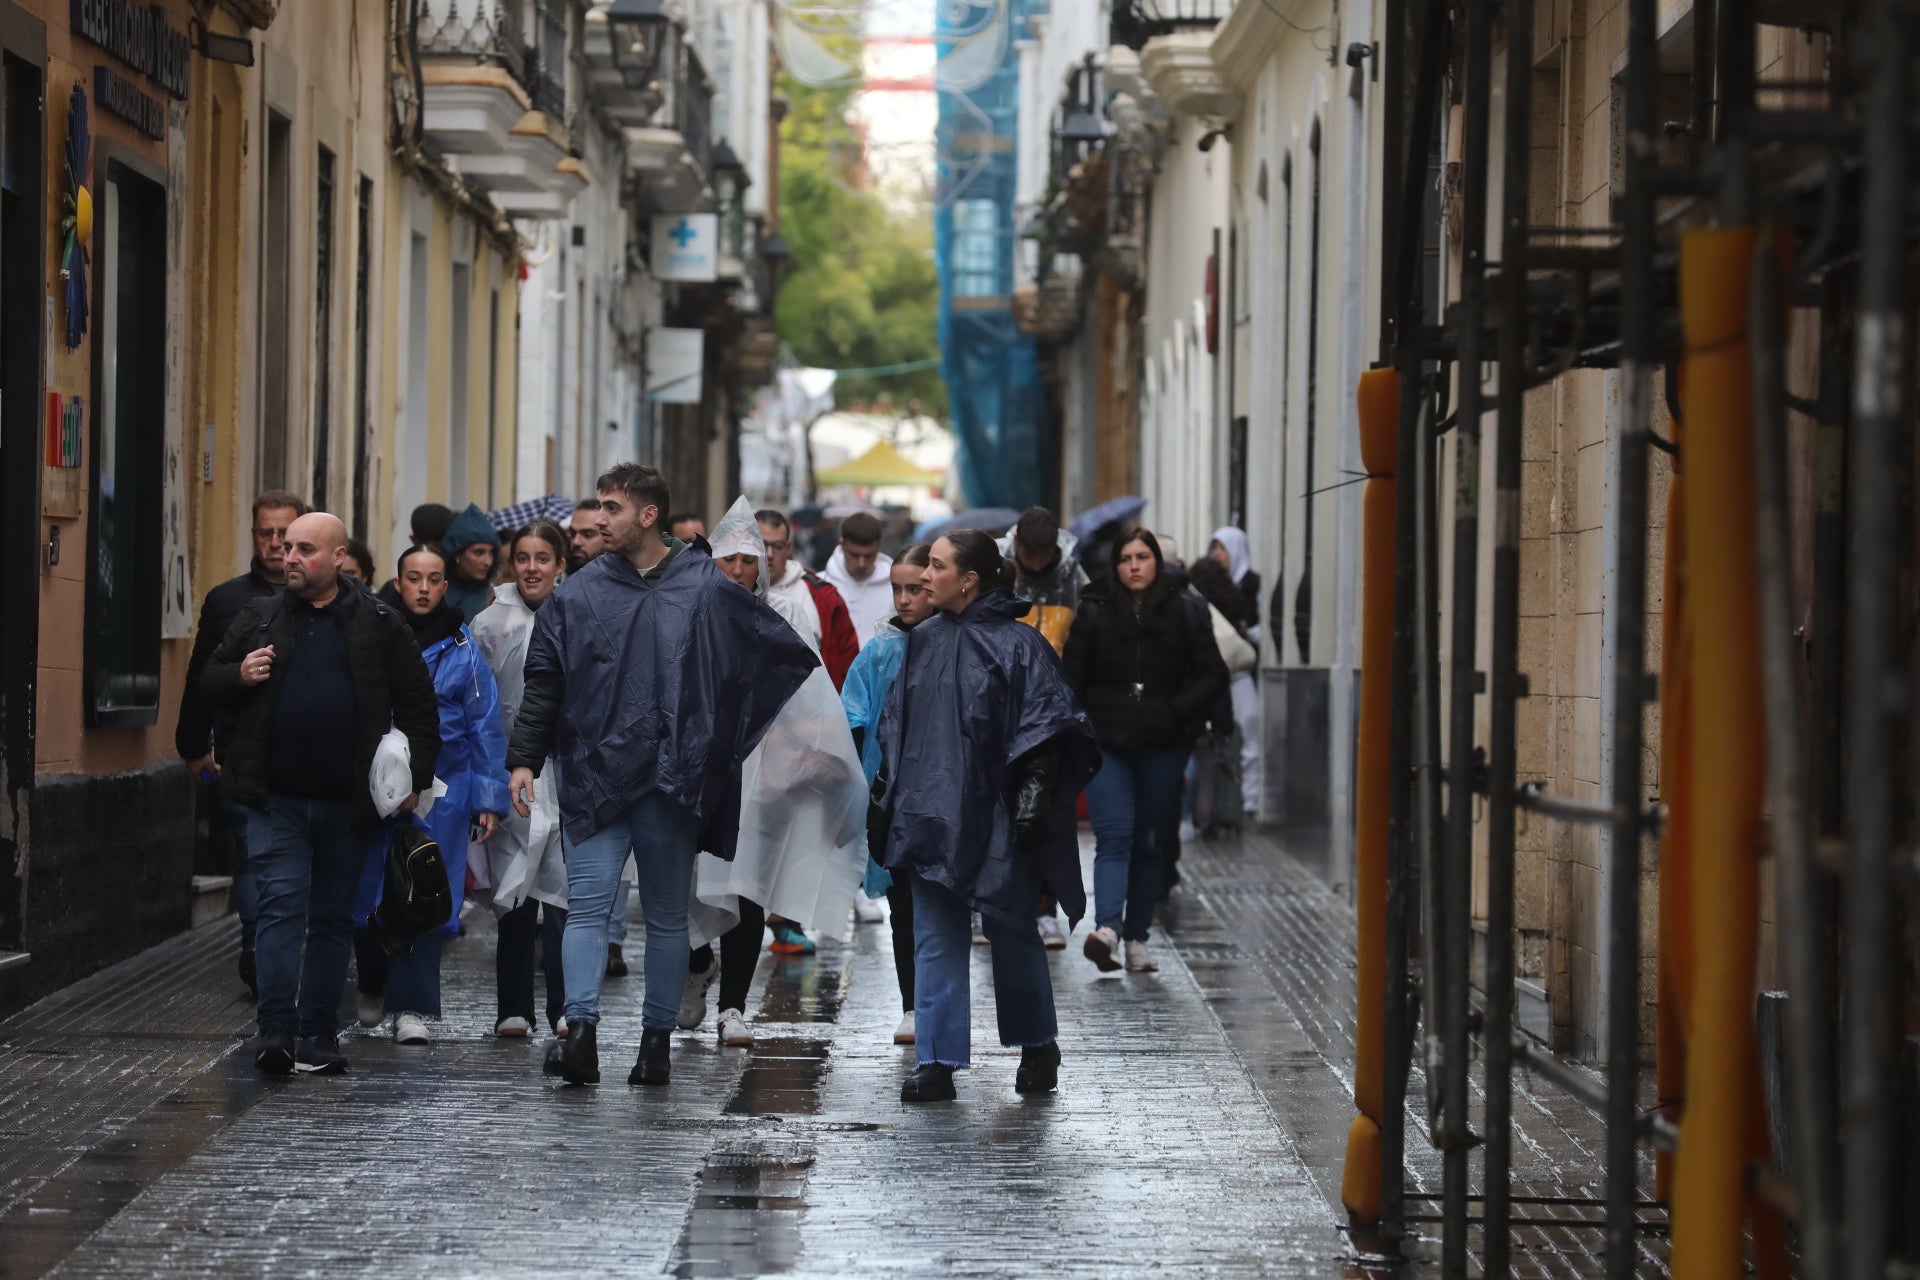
<point>1198,1131</point>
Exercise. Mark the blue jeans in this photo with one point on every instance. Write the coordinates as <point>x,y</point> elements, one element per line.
<point>405,984</point>
<point>662,835</point>
<point>1129,801</point>
<point>306,860</point>
<point>617,922</point>
<point>942,998</point>
<point>246,896</point>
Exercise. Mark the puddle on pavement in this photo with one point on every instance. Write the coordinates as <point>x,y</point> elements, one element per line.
<point>783,1078</point>
<point>806,988</point>
<point>745,1216</point>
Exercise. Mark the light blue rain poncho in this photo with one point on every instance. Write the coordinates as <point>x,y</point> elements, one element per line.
<point>863,696</point>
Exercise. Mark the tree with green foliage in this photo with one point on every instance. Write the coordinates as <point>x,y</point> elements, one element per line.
<point>860,290</point>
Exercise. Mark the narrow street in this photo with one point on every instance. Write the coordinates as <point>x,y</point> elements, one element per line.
<point>1198,1130</point>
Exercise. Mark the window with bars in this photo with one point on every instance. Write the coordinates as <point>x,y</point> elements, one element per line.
<point>547,58</point>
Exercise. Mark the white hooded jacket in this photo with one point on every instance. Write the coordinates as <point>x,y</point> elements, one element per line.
<point>869,601</point>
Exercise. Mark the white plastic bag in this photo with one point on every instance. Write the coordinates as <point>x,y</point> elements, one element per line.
<point>391,777</point>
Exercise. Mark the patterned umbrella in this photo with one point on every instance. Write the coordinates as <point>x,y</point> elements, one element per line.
<point>78,224</point>
<point>557,507</point>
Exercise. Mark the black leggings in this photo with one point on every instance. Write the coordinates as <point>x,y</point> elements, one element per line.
<point>900,921</point>
<point>739,956</point>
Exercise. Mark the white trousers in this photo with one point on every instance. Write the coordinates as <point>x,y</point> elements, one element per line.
<point>1246,714</point>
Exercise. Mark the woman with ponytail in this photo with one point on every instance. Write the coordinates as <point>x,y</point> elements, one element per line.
<point>983,752</point>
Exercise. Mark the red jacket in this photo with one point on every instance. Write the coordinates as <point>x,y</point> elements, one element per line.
<point>839,644</point>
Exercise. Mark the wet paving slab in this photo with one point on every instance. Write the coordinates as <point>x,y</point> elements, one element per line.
<point>1198,1130</point>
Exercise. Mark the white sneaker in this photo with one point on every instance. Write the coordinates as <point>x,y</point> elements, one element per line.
<point>514,1028</point>
<point>903,1034</point>
<point>1140,960</point>
<point>1099,948</point>
<point>409,1028</point>
<point>1050,935</point>
<point>867,910</point>
<point>734,1031</point>
<point>372,1010</point>
<point>693,997</point>
<point>979,931</point>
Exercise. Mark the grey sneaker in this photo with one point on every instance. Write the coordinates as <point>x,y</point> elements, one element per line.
<point>693,997</point>
<point>1140,960</point>
<point>1100,947</point>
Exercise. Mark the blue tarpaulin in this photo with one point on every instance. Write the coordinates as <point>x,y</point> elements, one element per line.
<point>993,383</point>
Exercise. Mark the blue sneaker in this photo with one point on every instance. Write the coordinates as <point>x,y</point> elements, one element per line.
<point>790,940</point>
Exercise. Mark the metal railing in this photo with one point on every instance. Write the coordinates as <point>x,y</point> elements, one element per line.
<point>693,108</point>
<point>486,30</point>
<point>1546,308</point>
<point>1135,22</point>
<point>547,59</point>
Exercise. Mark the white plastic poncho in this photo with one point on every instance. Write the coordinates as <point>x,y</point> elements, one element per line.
<point>523,859</point>
<point>803,798</point>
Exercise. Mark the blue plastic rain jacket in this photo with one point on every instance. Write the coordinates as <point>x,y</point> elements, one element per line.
<point>472,764</point>
<point>667,683</point>
<point>864,696</point>
<point>977,691</point>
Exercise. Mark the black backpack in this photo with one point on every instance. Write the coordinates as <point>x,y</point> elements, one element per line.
<point>416,897</point>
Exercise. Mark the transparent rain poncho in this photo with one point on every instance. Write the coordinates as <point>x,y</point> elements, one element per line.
<point>802,843</point>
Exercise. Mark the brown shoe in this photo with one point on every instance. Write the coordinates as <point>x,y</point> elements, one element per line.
<point>616,963</point>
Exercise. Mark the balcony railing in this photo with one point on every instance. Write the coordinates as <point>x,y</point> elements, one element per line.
<point>547,58</point>
<point>693,109</point>
<point>1137,21</point>
<point>485,30</point>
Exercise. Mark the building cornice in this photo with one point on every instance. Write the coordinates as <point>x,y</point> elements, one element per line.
<point>1249,35</point>
<point>252,13</point>
<point>1181,69</point>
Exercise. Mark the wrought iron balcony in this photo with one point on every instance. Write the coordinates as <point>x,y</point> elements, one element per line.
<point>483,30</point>
<point>546,61</point>
<point>1137,21</point>
<point>674,153</point>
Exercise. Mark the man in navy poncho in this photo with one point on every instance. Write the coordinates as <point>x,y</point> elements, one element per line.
<point>650,678</point>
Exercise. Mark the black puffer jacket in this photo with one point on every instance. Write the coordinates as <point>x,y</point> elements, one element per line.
<point>1147,677</point>
<point>198,722</point>
<point>391,689</point>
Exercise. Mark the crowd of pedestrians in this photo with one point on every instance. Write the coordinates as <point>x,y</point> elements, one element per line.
<point>633,706</point>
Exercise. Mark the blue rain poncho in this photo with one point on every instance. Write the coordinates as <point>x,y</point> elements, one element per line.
<point>473,750</point>
<point>668,683</point>
<point>978,690</point>
<point>864,696</point>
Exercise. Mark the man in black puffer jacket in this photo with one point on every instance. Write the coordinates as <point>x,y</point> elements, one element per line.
<point>201,737</point>
<point>315,678</point>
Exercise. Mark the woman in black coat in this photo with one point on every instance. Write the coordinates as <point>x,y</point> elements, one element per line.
<point>1142,661</point>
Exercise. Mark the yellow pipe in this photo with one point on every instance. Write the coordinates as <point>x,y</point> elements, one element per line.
<point>1728,755</point>
<point>1379,404</point>
<point>1675,945</point>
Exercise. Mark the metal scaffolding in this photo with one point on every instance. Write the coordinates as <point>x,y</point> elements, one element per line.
<point>1821,204</point>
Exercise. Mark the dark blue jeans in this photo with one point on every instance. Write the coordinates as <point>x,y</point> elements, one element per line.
<point>306,860</point>
<point>943,987</point>
<point>1130,801</point>
<point>246,896</point>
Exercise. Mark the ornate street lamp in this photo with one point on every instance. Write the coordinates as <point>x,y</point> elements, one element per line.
<point>730,182</point>
<point>636,32</point>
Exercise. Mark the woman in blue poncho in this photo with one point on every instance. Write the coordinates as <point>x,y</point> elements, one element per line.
<point>473,753</point>
<point>984,751</point>
<point>864,696</point>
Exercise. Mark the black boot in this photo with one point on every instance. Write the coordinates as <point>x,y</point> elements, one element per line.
<point>930,1083</point>
<point>653,1065</point>
<point>1039,1070</point>
<point>249,971</point>
<point>577,1058</point>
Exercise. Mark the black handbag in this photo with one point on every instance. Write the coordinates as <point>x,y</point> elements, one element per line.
<point>416,898</point>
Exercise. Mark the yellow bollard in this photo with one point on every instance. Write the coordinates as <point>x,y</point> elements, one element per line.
<point>1719,1133</point>
<point>1379,402</point>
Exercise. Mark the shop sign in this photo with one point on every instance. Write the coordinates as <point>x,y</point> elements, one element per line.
<point>116,94</point>
<point>686,246</point>
<point>140,36</point>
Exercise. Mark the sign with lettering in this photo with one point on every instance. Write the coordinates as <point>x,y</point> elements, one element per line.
<point>140,36</point>
<point>116,94</point>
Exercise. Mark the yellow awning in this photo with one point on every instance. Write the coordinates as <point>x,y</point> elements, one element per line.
<point>880,465</point>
